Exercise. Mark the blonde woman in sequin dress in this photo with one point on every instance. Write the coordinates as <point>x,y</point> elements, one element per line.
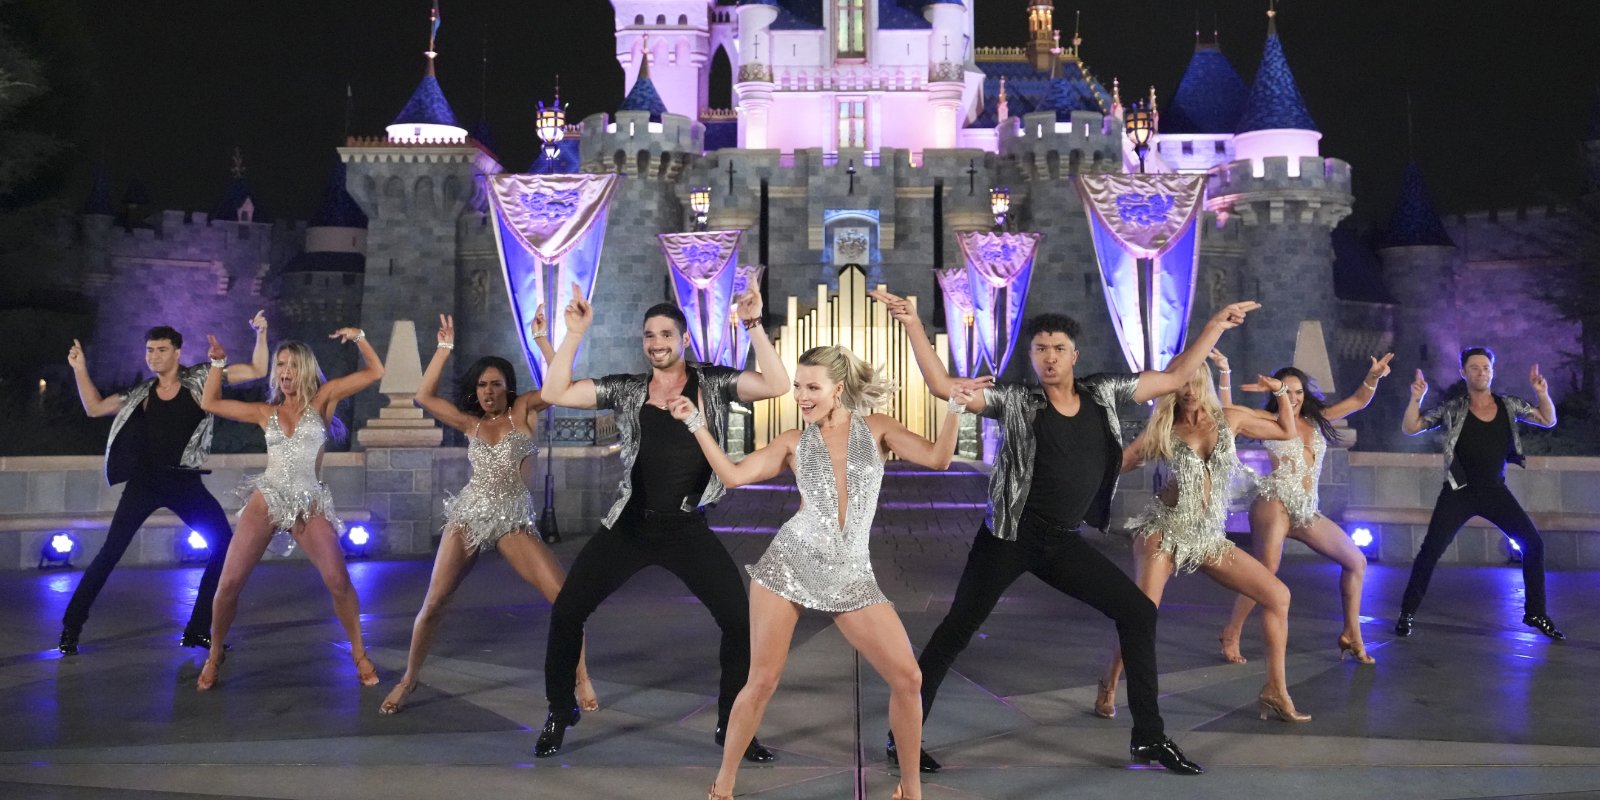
<point>1184,527</point>
<point>1286,500</point>
<point>289,496</point>
<point>495,510</point>
<point>819,559</point>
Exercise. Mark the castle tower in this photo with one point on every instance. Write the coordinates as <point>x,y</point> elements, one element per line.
<point>427,116</point>
<point>1198,124</point>
<point>1041,34</point>
<point>320,289</point>
<point>1285,200</point>
<point>753,81</point>
<point>1071,130</point>
<point>1419,265</point>
<point>947,57</point>
<point>677,35</point>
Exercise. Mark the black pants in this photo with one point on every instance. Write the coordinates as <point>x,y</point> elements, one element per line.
<point>187,497</point>
<point>682,544</point>
<point>1062,559</point>
<point>1496,504</point>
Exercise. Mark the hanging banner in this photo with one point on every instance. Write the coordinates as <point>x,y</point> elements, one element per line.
<point>541,220</point>
<point>959,317</point>
<point>1150,217</point>
<point>998,261</point>
<point>703,273</point>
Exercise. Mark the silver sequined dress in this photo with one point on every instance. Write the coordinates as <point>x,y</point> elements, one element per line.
<point>812,561</point>
<point>290,484</point>
<point>495,501</point>
<point>1290,473</point>
<point>1193,530</point>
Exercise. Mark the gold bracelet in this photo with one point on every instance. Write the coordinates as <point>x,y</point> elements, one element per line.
<point>750,324</point>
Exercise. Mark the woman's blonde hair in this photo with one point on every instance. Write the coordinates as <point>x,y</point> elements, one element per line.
<point>1158,434</point>
<point>308,376</point>
<point>866,388</point>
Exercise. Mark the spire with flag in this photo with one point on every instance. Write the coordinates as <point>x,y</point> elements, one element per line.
<point>433,35</point>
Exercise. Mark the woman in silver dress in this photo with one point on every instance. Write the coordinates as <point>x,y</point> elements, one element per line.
<point>495,510</point>
<point>298,418</point>
<point>1184,528</point>
<point>1286,501</point>
<point>819,559</point>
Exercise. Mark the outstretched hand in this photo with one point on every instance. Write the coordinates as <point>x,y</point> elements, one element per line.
<point>681,408</point>
<point>899,307</point>
<point>1541,386</point>
<point>258,323</point>
<point>749,305</point>
<point>579,314</point>
<point>215,351</point>
<point>540,325</point>
<point>1263,383</point>
<point>1232,315</point>
<point>447,329</point>
<point>75,355</point>
<point>1419,388</point>
<point>1380,367</point>
<point>345,335</point>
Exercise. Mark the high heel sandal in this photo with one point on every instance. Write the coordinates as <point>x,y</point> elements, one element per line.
<point>1234,657</point>
<point>899,794</point>
<point>1105,701</point>
<point>711,794</point>
<point>204,684</point>
<point>1282,708</point>
<point>591,703</point>
<point>1355,650</point>
<point>366,672</point>
<point>396,701</point>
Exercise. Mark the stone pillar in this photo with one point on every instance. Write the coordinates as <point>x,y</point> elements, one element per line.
<point>401,424</point>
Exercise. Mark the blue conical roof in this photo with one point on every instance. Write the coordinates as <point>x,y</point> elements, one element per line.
<point>1275,100</point>
<point>1210,97</point>
<point>338,209</point>
<point>1075,90</point>
<point>643,96</point>
<point>1415,222</point>
<point>238,191</point>
<point>427,105</point>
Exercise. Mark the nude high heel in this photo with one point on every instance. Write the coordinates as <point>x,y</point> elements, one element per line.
<point>1355,650</point>
<point>1282,708</point>
<point>1105,701</point>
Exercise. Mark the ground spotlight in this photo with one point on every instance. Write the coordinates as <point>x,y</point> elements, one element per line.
<point>1365,538</point>
<point>57,551</point>
<point>356,541</point>
<point>192,549</point>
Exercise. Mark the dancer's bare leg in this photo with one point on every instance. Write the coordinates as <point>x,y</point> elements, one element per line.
<point>877,633</point>
<point>1241,573</point>
<point>1269,524</point>
<point>1328,539</point>
<point>450,566</point>
<point>250,538</point>
<point>321,545</point>
<point>1152,568</point>
<point>772,621</point>
<point>536,565</point>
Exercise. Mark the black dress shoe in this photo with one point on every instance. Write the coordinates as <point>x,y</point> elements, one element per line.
<point>554,732</point>
<point>69,642</point>
<point>926,762</point>
<point>1540,621</point>
<point>1402,626</point>
<point>1165,751</point>
<point>201,640</point>
<point>756,753</point>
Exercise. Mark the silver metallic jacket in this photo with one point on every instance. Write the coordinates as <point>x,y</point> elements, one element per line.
<point>625,394</point>
<point>199,446</point>
<point>1015,405</point>
<point>1452,414</point>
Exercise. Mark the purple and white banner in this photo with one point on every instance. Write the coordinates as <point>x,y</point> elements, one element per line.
<point>747,278</point>
<point>548,219</point>
<point>1133,217</point>
<point>703,274</point>
<point>998,261</point>
<point>959,317</point>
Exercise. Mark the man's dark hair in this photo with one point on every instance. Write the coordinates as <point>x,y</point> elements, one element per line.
<point>165,332</point>
<point>671,312</point>
<point>1050,323</point>
<point>467,389</point>
<point>1477,351</point>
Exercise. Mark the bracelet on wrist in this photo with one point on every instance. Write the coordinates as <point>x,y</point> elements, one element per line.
<point>1280,391</point>
<point>447,345</point>
<point>219,363</point>
<point>541,335</point>
<point>1373,386</point>
<point>750,324</point>
<point>695,421</point>
<point>955,406</point>
<point>1224,371</point>
<point>361,335</point>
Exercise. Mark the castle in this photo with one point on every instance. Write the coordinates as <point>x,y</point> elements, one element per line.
<point>880,116</point>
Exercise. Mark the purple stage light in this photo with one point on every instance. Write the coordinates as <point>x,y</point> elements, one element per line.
<point>1362,537</point>
<point>197,542</point>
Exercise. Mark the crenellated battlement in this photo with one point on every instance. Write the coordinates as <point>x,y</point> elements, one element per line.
<point>628,143</point>
<point>1046,148</point>
<point>1275,190</point>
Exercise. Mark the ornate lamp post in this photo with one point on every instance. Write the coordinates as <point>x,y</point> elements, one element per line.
<point>550,122</point>
<point>1140,123</point>
<point>1000,205</point>
<point>700,204</point>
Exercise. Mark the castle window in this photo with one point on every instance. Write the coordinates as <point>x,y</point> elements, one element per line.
<point>638,19</point>
<point>1188,148</point>
<point>661,19</point>
<point>853,123</point>
<point>1222,147</point>
<point>683,19</point>
<point>850,28</point>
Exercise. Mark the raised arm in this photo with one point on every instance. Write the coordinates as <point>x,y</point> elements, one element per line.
<point>1364,393</point>
<point>257,368</point>
<point>911,447</point>
<point>1545,414</point>
<point>933,372</point>
<point>93,404</point>
<point>1165,382</point>
<point>559,388</point>
<point>771,378</point>
<point>211,400</point>
<point>1413,422</point>
<point>753,468</point>
<point>428,391</point>
<point>1224,376</point>
<point>345,385</point>
<point>1245,422</point>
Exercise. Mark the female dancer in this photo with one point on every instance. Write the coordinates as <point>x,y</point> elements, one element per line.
<point>1184,526</point>
<point>1286,502</point>
<point>297,418</point>
<point>819,558</point>
<point>498,423</point>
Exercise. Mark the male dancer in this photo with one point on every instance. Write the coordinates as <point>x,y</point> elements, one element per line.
<point>1057,468</point>
<point>1480,438</point>
<point>158,444</point>
<point>658,517</point>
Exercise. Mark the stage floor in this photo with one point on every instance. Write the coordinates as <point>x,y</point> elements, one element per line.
<point>1474,705</point>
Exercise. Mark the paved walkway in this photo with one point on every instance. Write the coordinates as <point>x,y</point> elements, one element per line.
<point>1473,706</point>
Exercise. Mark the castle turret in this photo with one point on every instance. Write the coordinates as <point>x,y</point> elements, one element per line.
<point>1041,34</point>
<point>1198,124</point>
<point>676,34</point>
<point>947,57</point>
<point>1285,199</point>
<point>1071,130</point>
<point>427,116</point>
<point>644,138</point>
<point>1419,265</point>
<point>753,83</point>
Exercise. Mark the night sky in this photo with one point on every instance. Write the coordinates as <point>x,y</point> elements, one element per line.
<point>1501,92</point>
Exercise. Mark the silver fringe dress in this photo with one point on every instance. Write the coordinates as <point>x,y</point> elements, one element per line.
<point>1290,473</point>
<point>813,561</point>
<point>1193,530</point>
<point>495,501</point>
<point>290,485</point>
